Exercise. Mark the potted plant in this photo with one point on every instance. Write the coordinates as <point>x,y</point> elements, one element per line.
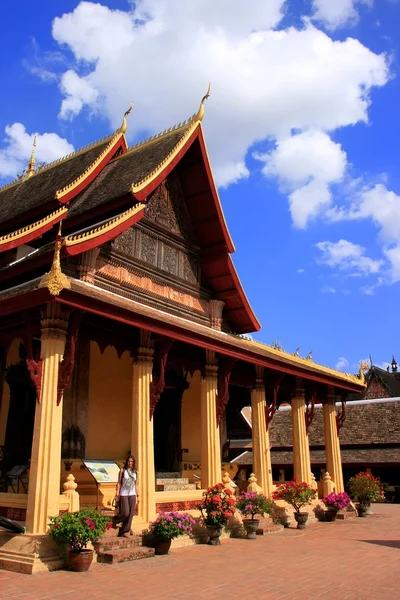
<point>168,526</point>
<point>298,494</point>
<point>366,489</point>
<point>334,503</point>
<point>216,508</point>
<point>74,531</point>
<point>250,504</point>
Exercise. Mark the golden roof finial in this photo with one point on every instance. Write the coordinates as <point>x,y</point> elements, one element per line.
<point>363,366</point>
<point>124,125</point>
<point>200,113</point>
<point>31,164</point>
<point>55,280</point>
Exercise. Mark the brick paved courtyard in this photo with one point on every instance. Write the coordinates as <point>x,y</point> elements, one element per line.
<point>355,559</point>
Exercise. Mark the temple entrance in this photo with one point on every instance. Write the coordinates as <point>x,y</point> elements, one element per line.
<point>21,416</point>
<point>167,431</point>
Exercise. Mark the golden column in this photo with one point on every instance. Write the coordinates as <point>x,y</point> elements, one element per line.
<point>260,435</point>
<point>210,437</point>
<point>45,471</point>
<point>332,442</point>
<point>142,442</point>
<point>301,449</point>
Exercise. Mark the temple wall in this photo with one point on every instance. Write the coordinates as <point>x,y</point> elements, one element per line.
<point>12,358</point>
<point>191,424</point>
<point>109,406</point>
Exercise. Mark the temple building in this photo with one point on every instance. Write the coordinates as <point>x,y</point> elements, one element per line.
<point>122,328</point>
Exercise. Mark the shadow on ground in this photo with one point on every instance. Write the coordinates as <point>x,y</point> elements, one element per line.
<point>388,543</point>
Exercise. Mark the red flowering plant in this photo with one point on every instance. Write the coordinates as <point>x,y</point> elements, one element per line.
<point>337,501</point>
<point>250,504</point>
<point>75,530</point>
<point>366,488</point>
<point>296,493</point>
<point>217,505</point>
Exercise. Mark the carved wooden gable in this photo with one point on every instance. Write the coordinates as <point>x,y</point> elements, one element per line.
<point>164,239</point>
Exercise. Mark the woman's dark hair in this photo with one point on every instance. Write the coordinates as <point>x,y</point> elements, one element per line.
<point>130,456</point>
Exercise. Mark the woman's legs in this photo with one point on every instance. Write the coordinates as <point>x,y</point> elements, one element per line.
<point>123,516</point>
<point>127,522</point>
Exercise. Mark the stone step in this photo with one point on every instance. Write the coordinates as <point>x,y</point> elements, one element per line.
<point>117,543</point>
<point>168,475</point>
<point>113,557</point>
<point>175,487</point>
<point>170,480</point>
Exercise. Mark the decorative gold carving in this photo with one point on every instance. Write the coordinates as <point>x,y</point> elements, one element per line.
<point>31,164</point>
<point>124,125</point>
<point>361,371</point>
<point>55,280</point>
<point>15,235</point>
<point>309,355</point>
<point>72,240</point>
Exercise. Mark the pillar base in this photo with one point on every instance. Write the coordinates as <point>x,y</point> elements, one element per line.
<point>29,553</point>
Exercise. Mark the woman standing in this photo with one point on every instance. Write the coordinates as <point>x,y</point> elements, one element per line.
<point>127,494</point>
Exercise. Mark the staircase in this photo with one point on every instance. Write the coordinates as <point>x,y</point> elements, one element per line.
<point>172,482</point>
<point>112,549</point>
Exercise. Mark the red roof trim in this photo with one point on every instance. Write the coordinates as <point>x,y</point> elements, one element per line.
<point>30,235</point>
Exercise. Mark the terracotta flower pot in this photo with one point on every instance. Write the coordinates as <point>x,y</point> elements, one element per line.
<point>214,533</point>
<point>251,526</point>
<point>80,560</point>
<point>301,519</point>
<point>161,545</point>
<point>331,514</point>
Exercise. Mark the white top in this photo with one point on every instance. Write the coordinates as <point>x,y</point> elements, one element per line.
<point>128,483</point>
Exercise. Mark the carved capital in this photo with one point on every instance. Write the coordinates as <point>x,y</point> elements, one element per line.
<point>87,265</point>
<point>215,309</point>
<point>54,322</point>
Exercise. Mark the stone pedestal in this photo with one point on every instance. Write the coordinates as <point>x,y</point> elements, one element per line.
<point>210,438</point>
<point>45,469</point>
<point>142,433</point>
<point>260,439</point>
<point>27,553</point>
<point>301,450</point>
<point>332,445</point>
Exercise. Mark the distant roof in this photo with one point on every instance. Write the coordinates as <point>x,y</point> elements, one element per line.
<point>391,381</point>
<point>365,456</point>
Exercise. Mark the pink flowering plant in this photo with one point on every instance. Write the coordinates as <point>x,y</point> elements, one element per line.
<point>75,530</point>
<point>250,504</point>
<point>337,501</point>
<point>172,525</point>
<point>296,493</point>
<point>217,506</point>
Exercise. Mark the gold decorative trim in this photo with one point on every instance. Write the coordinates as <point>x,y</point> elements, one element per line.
<point>72,240</point>
<point>66,189</point>
<point>305,362</point>
<point>59,161</point>
<point>15,235</point>
<point>139,185</point>
<point>55,280</point>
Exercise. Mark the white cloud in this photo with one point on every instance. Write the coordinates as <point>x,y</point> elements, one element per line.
<point>308,162</point>
<point>300,271</point>
<point>328,289</point>
<point>337,13</point>
<point>346,256</point>
<point>14,156</point>
<point>342,364</point>
<point>265,82</point>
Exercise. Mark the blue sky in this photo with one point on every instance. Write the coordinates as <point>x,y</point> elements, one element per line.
<point>302,127</point>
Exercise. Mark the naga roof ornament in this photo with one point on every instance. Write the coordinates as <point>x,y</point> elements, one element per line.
<point>124,125</point>
<point>200,113</point>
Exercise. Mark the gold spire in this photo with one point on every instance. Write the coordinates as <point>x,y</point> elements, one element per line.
<point>200,113</point>
<point>55,280</point>
<point>31,165</point>
<point>124,125</point>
